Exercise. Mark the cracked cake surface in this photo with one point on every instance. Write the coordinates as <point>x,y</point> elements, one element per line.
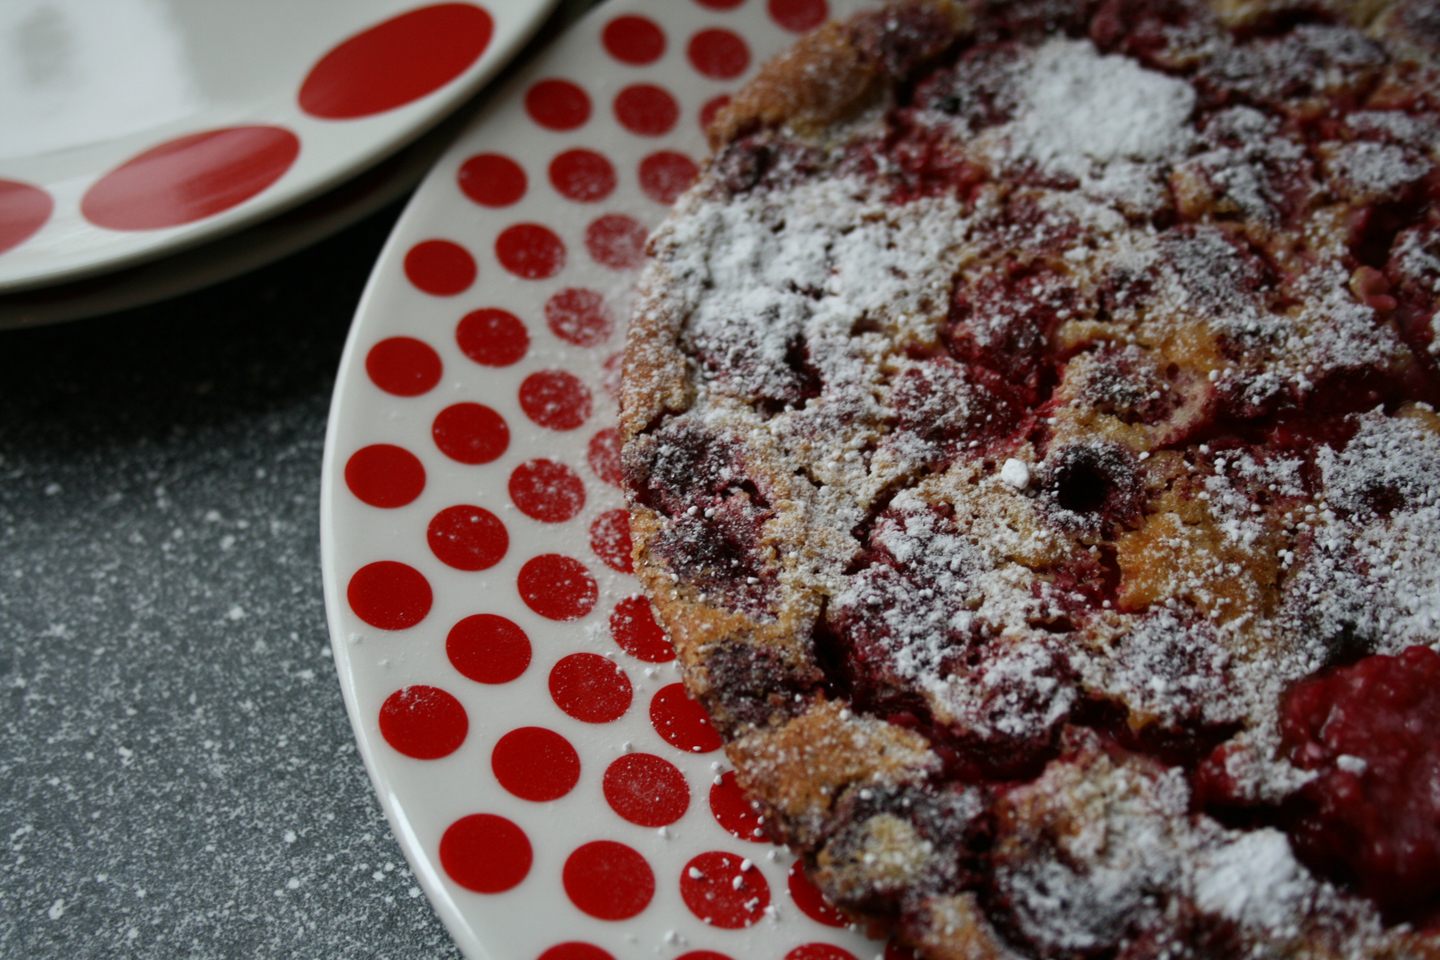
<point>1029,430</point>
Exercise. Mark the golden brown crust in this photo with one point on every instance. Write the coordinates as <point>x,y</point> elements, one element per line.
<point>654,378</point>
<point>820,80</point>
<point>1241,14</point>
<point>955,928</point>
<point>824,79</point>
<point>801,767</point>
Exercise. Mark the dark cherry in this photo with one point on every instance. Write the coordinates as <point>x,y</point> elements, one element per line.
<point>1412,273</point>
<point>761,159</point>
<point>691,466</point>
<point>975,89</point>
<point>1298,435</point>
<point>1002,322</point>
<point>1373,230</point>
<point>719,554</point>
<point>930,396</point>
<point>903,38</point>
<point>745,163</point>
<point>754,684</point>
<point>1093,484</point>
<point>918,163</point>
<point>1371,817</point>
<point>1080,584</point>
<point>1029,20</point>
<point>1143,28</point>
<point>1191,935</point>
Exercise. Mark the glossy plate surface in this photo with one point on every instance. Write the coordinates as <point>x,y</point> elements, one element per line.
<point>557,794</point>
<point>130,129</point>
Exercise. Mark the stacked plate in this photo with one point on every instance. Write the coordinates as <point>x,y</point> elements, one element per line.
<point>162,132</point>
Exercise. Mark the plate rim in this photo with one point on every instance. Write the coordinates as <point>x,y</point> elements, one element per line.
<point>428,112</point>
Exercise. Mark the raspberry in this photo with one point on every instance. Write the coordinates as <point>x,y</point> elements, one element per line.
<point>1371,817</point>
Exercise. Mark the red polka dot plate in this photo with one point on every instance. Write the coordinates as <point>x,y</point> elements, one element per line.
<point>134,128</point>
<point>558,794</point>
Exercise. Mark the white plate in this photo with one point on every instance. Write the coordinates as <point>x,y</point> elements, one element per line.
<point>134,128</point>
<point>563,813</point>
<point>235,253</point>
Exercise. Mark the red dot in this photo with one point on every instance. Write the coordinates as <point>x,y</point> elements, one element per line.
<point>440,268</point>
<point>190,178</point>
<point>403,366</point>
<point>733,812</point>
<point>590,687</point>
<point>608,880</point>
<point>384,475</point>
<point>611,374</point>
<point>610,539</point>
<point>555,399</point>
<point>485,853</point>
<point>720,4</point>
<point>396,62</point>
<point>616,241</point>
<point>819,951</point>
<point>633,40</point>
<point>798,16</point>
<point>488,649</point>
<point>711,108</point>
<point>547,491</point>
<point>604,456</point>
<point>423,722</point>
<point>492,180</point>
<point>535,764</point>
<point>470,433</point>
<point>681,722</point>
<point>557,588</point>
<point>720,893</point>
<point>557,105</point>
<point>389,595</point>
<point>582,175</point>
<point>633,627</point>
<point>579,316</point>
<point>666,175</point>
<point>646,790</point>
<point>718,54</point>
<point>575,950</point>
<point>646,110</point>
<point>492,338</point>
<point>530,251</point>
<point>467,538</point>
<point>23,210</point>
<point>810,900</point>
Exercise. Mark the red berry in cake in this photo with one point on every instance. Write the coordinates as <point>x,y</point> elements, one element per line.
<point>1370,733</point>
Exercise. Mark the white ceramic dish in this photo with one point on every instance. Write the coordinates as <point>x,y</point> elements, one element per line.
<point>134,128</point>
<point>553,789</point>
<point>235,253</point>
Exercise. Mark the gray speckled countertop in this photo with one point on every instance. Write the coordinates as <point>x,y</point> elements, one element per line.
<point>177,774</point>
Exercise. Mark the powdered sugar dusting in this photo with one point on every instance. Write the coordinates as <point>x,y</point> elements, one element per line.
<point>1082,426</point>
<point>1254,880</point>
<point>1376,171</point>
<point>1080,106</point>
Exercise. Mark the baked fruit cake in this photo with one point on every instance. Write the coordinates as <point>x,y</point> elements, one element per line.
<point>1029,431</point>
